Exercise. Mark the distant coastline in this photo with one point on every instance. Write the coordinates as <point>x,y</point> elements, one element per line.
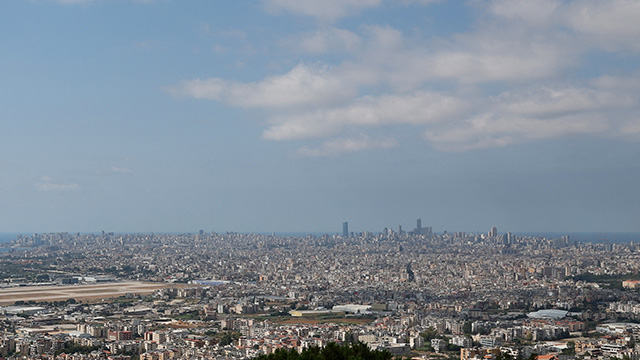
<point>7,238</point>
<point>585,237</point>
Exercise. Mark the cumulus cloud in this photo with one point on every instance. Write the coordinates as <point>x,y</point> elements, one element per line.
<point>510,78</point>
<point>302,86</point>
<point>627,83</point>
<point>546,101</point>
<point>490,55</point>
<point>537,113</point>
<point>612,25</point>
<point>539,12</point>
<point>491,130</point>
<point>504,53</point>
<point>420,108</point>
<point>327,10</point>
<point>342,145</point>
<point>325,40</point>
<point>331,10</point>
<point>532,61</point>
<point>48,184</point>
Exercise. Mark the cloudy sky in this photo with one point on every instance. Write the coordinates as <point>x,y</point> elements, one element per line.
<point>297,115</point>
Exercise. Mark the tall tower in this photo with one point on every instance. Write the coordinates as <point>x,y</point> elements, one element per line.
<point>493,232</point>
<point>419,226</point>
<point>345,229</point>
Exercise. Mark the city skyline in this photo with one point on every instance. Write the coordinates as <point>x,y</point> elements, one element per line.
<point>229,295</point>
<point>296,116</point>
<point>578,237</point>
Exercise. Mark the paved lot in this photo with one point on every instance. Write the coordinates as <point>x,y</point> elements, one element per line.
<point>8,296</point>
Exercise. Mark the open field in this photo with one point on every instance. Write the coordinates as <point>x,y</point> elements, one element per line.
<point>8,296</point>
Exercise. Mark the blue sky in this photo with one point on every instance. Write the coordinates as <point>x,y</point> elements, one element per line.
<point>297,115</point>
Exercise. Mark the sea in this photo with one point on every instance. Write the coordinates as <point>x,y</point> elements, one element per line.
<point>5,240</point>
<point>7,237</point>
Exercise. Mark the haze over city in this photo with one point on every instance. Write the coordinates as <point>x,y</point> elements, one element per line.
<point>295,116</point>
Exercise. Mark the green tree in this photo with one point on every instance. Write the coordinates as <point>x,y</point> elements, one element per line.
<point>332,351</point>
<point>429,334</point>
<point>570,350</point>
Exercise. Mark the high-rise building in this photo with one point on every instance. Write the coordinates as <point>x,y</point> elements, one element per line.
<point>345,229</point>
<point>493,232</point>
<point>428,231</point>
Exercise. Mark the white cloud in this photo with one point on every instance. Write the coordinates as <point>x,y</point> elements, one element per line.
<point>538,113</point>
<point>547,101</point>
<point>488,55</point>
<point>612,24</point>
<point>384,56</point>
<point>327,10</point>
<point>491,130</point>
<point>420,108</point>
<point>302,86</point>
<point>539,12</point>
<point>325,40</point>
<point>384,38</point>
<point>483,65</point>
<point>47,184</point>
<point>339,146</point>
<point>498,52</point>
<point>609,82</point>
<point>331,10</point>
<point>514,76</point>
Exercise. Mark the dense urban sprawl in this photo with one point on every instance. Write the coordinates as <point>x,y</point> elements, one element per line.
<point>236,296</point>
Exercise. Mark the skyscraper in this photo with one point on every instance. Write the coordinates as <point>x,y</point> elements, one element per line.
<point>493,232</point>
<point>345,229</point>
<point>419,226</point>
